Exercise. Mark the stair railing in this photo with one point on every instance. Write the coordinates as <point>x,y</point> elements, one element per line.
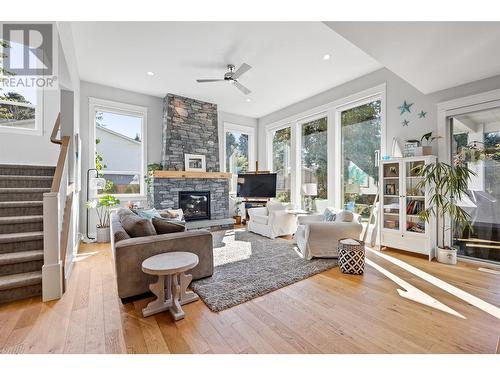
<point>57,222</point>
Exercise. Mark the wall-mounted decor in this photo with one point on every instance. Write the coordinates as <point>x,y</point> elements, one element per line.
<point>422,114</point>
<point>194,163</point>
<point>405,107</point>
<point>405,122</point>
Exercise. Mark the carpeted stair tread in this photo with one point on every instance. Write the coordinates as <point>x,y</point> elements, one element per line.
<point>20,237</point>
<point>28,170</point>
<point>24,190</point>
<point>21,204</point>
<point>19,280</point>
<point>20,219</point>
<point>23,177</point>
<point>20,257</point>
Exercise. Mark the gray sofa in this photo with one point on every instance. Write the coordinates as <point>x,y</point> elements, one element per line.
<point>129,253</point>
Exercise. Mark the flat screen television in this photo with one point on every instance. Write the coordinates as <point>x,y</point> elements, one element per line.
<point>257,185</point>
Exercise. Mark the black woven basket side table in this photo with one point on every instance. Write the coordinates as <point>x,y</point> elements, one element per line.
<point>352,256</point>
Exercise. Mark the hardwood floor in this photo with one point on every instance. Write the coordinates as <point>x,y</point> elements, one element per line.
<point>327,313</point>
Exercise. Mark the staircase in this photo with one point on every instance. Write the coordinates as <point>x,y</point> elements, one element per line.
<point>21,229</point>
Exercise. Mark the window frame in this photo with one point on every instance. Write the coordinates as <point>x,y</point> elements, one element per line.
<point>38,130</point>
<point>334,143</point>
<point>125,109</point>
<point>243,129</point>
<point>269,152</point>
<point>338,121</point>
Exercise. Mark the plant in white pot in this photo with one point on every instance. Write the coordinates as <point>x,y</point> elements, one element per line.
<point>447,185</point>
<point>103,206</point>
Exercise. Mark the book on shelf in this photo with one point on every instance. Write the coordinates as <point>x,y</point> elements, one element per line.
<point>414,207</point>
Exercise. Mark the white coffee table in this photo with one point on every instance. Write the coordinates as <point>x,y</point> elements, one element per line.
<point>170,289</point>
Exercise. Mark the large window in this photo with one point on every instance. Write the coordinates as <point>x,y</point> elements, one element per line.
<point>361,135</point>
<point>314,164</point>
<point>119,136</point>
<point>281,163</point>
<point>238,151</point>
<point>476,140</point>
<point>19,106</point>
<point>329,156</point>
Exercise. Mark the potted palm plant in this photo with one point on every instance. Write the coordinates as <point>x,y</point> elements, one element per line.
<point>447,185</point>
<point>103,206</point>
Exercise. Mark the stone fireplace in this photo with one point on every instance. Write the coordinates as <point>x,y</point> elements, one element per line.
<point>191,127</point>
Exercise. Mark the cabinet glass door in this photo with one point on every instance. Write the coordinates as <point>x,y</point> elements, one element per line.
<point>414,198</point>
<point>391,190</point>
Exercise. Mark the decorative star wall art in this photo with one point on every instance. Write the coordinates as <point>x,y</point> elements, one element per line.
<point>422,114</point>
<point>405,122</point>
<point>405,107</point>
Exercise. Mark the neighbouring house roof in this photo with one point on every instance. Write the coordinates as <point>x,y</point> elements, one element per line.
<point>118,134</point>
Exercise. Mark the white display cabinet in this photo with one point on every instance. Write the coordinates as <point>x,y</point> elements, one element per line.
<point>401,202</point>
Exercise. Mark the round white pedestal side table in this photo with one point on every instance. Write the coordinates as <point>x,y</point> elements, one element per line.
<point>170,289</point>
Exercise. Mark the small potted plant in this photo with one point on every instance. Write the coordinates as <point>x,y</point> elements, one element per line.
<point>237,211</point>
<point>420,149</point>
<point>447,185</point>
<point>103,206</point>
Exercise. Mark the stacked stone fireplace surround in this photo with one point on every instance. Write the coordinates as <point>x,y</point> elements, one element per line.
<point>191,127</point>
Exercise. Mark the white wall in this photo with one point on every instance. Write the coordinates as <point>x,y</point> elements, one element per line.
<point>69,80</point>
<point>397,90</point>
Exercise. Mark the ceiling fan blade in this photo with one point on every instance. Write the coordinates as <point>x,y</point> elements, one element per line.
<point>209,80</point>
<point>242,88</point>
<point>241,70</point>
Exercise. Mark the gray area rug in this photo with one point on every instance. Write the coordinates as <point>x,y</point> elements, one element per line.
<point>248,266</point>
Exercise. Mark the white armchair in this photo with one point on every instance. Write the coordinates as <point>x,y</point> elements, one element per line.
<point>318,238</point>
<point>271,221</point>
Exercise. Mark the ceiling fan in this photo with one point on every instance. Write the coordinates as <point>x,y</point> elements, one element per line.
<point>232,76</point>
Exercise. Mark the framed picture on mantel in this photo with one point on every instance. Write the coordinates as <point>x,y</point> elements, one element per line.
<point>194,163</point>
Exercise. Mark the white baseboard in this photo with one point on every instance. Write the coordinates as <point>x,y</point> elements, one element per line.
<point>52,282</point>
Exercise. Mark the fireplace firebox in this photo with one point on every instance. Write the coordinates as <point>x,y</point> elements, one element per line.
<point>195,205</point>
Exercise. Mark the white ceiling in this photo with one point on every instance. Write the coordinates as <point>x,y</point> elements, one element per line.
<point>431,56</point>
<point>489,118</point>
<point>287,60</point>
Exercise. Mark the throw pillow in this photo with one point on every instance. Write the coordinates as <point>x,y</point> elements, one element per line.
<point>170,213</point>
<point>137,226</point>
<point>329,215</point>
<point>148,214</point>
<point>165,226</point>
<point>344,215</point>
<point>121,235</point>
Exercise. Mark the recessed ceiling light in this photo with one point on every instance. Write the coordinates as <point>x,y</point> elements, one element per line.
<point>326,57</point>
<point>150,73</point>
<point>248,100</point>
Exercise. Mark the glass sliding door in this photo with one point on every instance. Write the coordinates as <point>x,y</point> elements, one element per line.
<point>476,141</point>
<point>281,154</point>
<point>361,135</point>
<point>314,164</point>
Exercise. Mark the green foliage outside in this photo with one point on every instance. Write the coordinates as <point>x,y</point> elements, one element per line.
<point>12,113</point>
<point>361,135</point>
<point>281,155</point>
<point>315,155</point>
<point>237,149</point>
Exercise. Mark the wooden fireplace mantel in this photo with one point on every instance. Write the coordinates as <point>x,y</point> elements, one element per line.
<point>186,174</point>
